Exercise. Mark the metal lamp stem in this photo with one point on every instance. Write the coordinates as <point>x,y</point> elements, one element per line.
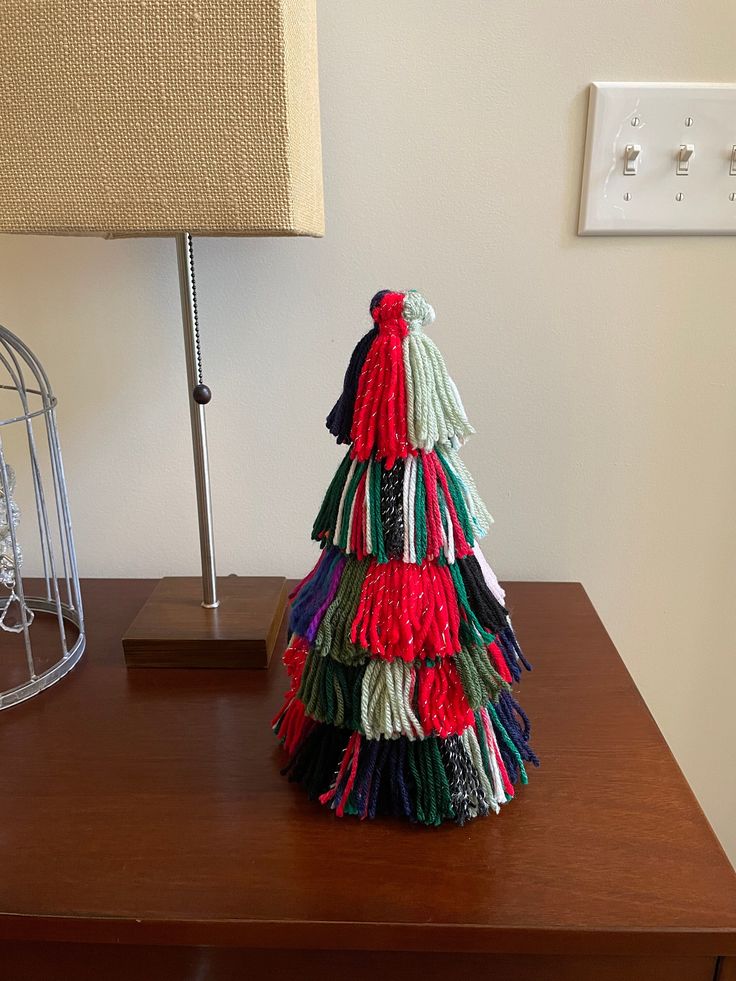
<point>199,396</point>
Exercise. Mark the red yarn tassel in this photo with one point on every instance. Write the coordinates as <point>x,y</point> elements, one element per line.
<point>461,545</point>
<point>357,537</point>
<point>290,722</point>
<point>294,658</point>
<point>407,611</point>
<point>443,707</point>
<point>493,748</point>
<point>379,419</point>
<point>293,725</point>
<point>434,528</point>
<point>350,759</point>
<point>499,662</point>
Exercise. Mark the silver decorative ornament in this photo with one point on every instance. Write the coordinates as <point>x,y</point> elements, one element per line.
<point>28,429</point>
<point>9,513</point>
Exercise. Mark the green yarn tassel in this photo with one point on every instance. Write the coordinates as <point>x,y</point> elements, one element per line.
<point>333,522</point>
<point>420,514</point>
<point>333,635</point>
<point>442,796</point>
<point>479,678</point>
<point>327,688</point>
<point>379,548</point>
<point>509,742</point>
<point>326,520</point>
<point>348,504</point>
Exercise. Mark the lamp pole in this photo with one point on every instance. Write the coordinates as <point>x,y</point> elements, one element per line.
<point>199,396</point>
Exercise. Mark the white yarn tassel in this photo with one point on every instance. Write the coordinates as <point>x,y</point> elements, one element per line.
<point>341,509</point>
<point>470,741</point>
<point>409,497</point>
<point>435,413</point>
<point>499,792</point>
<point>489,575</point>
<point>367,511</point>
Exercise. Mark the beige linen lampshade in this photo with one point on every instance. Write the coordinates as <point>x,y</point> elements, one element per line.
<point>153,117</point>
<point>168,117</point>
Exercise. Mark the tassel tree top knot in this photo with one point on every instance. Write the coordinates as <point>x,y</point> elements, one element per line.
<point>401,312</point>
<point>387,310</point>
<point>417,311</point>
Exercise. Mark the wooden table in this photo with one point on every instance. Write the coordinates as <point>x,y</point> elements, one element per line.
<point>145,832</point>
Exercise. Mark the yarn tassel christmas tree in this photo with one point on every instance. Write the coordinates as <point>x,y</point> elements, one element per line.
<point>401,655</point>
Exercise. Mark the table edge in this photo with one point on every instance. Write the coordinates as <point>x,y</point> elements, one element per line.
<point>349,935</point>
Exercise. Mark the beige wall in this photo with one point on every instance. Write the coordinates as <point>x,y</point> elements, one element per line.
<point>599,373</point>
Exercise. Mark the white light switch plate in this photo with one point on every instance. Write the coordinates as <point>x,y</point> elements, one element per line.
<point>659,118</point>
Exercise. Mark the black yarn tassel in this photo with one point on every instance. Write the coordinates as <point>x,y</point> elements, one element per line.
<point>491,614</point>
<point>392,509</point>
<point>316,761</point>
<point>340,420</point>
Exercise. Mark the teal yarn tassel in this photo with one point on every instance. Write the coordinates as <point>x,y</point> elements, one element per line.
<point>509,744</point>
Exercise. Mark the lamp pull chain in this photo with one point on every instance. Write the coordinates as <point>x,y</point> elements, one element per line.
<point>195,314</point>
<point>199,397</point>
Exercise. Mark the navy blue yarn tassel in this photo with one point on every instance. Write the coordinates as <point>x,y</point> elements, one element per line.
<point>340,420</point>
<point>312,595</point>
<point>509,638</point>
<point>377,774</point>
<point>365,773</point>
<point>510,712</point>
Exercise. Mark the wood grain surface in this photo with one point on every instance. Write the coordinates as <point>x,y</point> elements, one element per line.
<point>146,808</point>
<point>727,969</point>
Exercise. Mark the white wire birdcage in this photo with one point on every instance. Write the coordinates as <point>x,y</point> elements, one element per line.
<point>35,650</point>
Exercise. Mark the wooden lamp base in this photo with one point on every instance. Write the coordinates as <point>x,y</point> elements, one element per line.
<point>174,630</point>
<point>239,625</point>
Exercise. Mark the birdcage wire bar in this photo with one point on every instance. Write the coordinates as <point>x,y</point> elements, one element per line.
<point>59,579</point>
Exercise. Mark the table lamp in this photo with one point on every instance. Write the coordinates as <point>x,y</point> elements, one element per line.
<point>168,118</point>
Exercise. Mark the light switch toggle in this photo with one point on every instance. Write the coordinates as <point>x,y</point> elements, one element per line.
<point>732,171</point>
<point>683,159</point>
<point>631,159</point>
